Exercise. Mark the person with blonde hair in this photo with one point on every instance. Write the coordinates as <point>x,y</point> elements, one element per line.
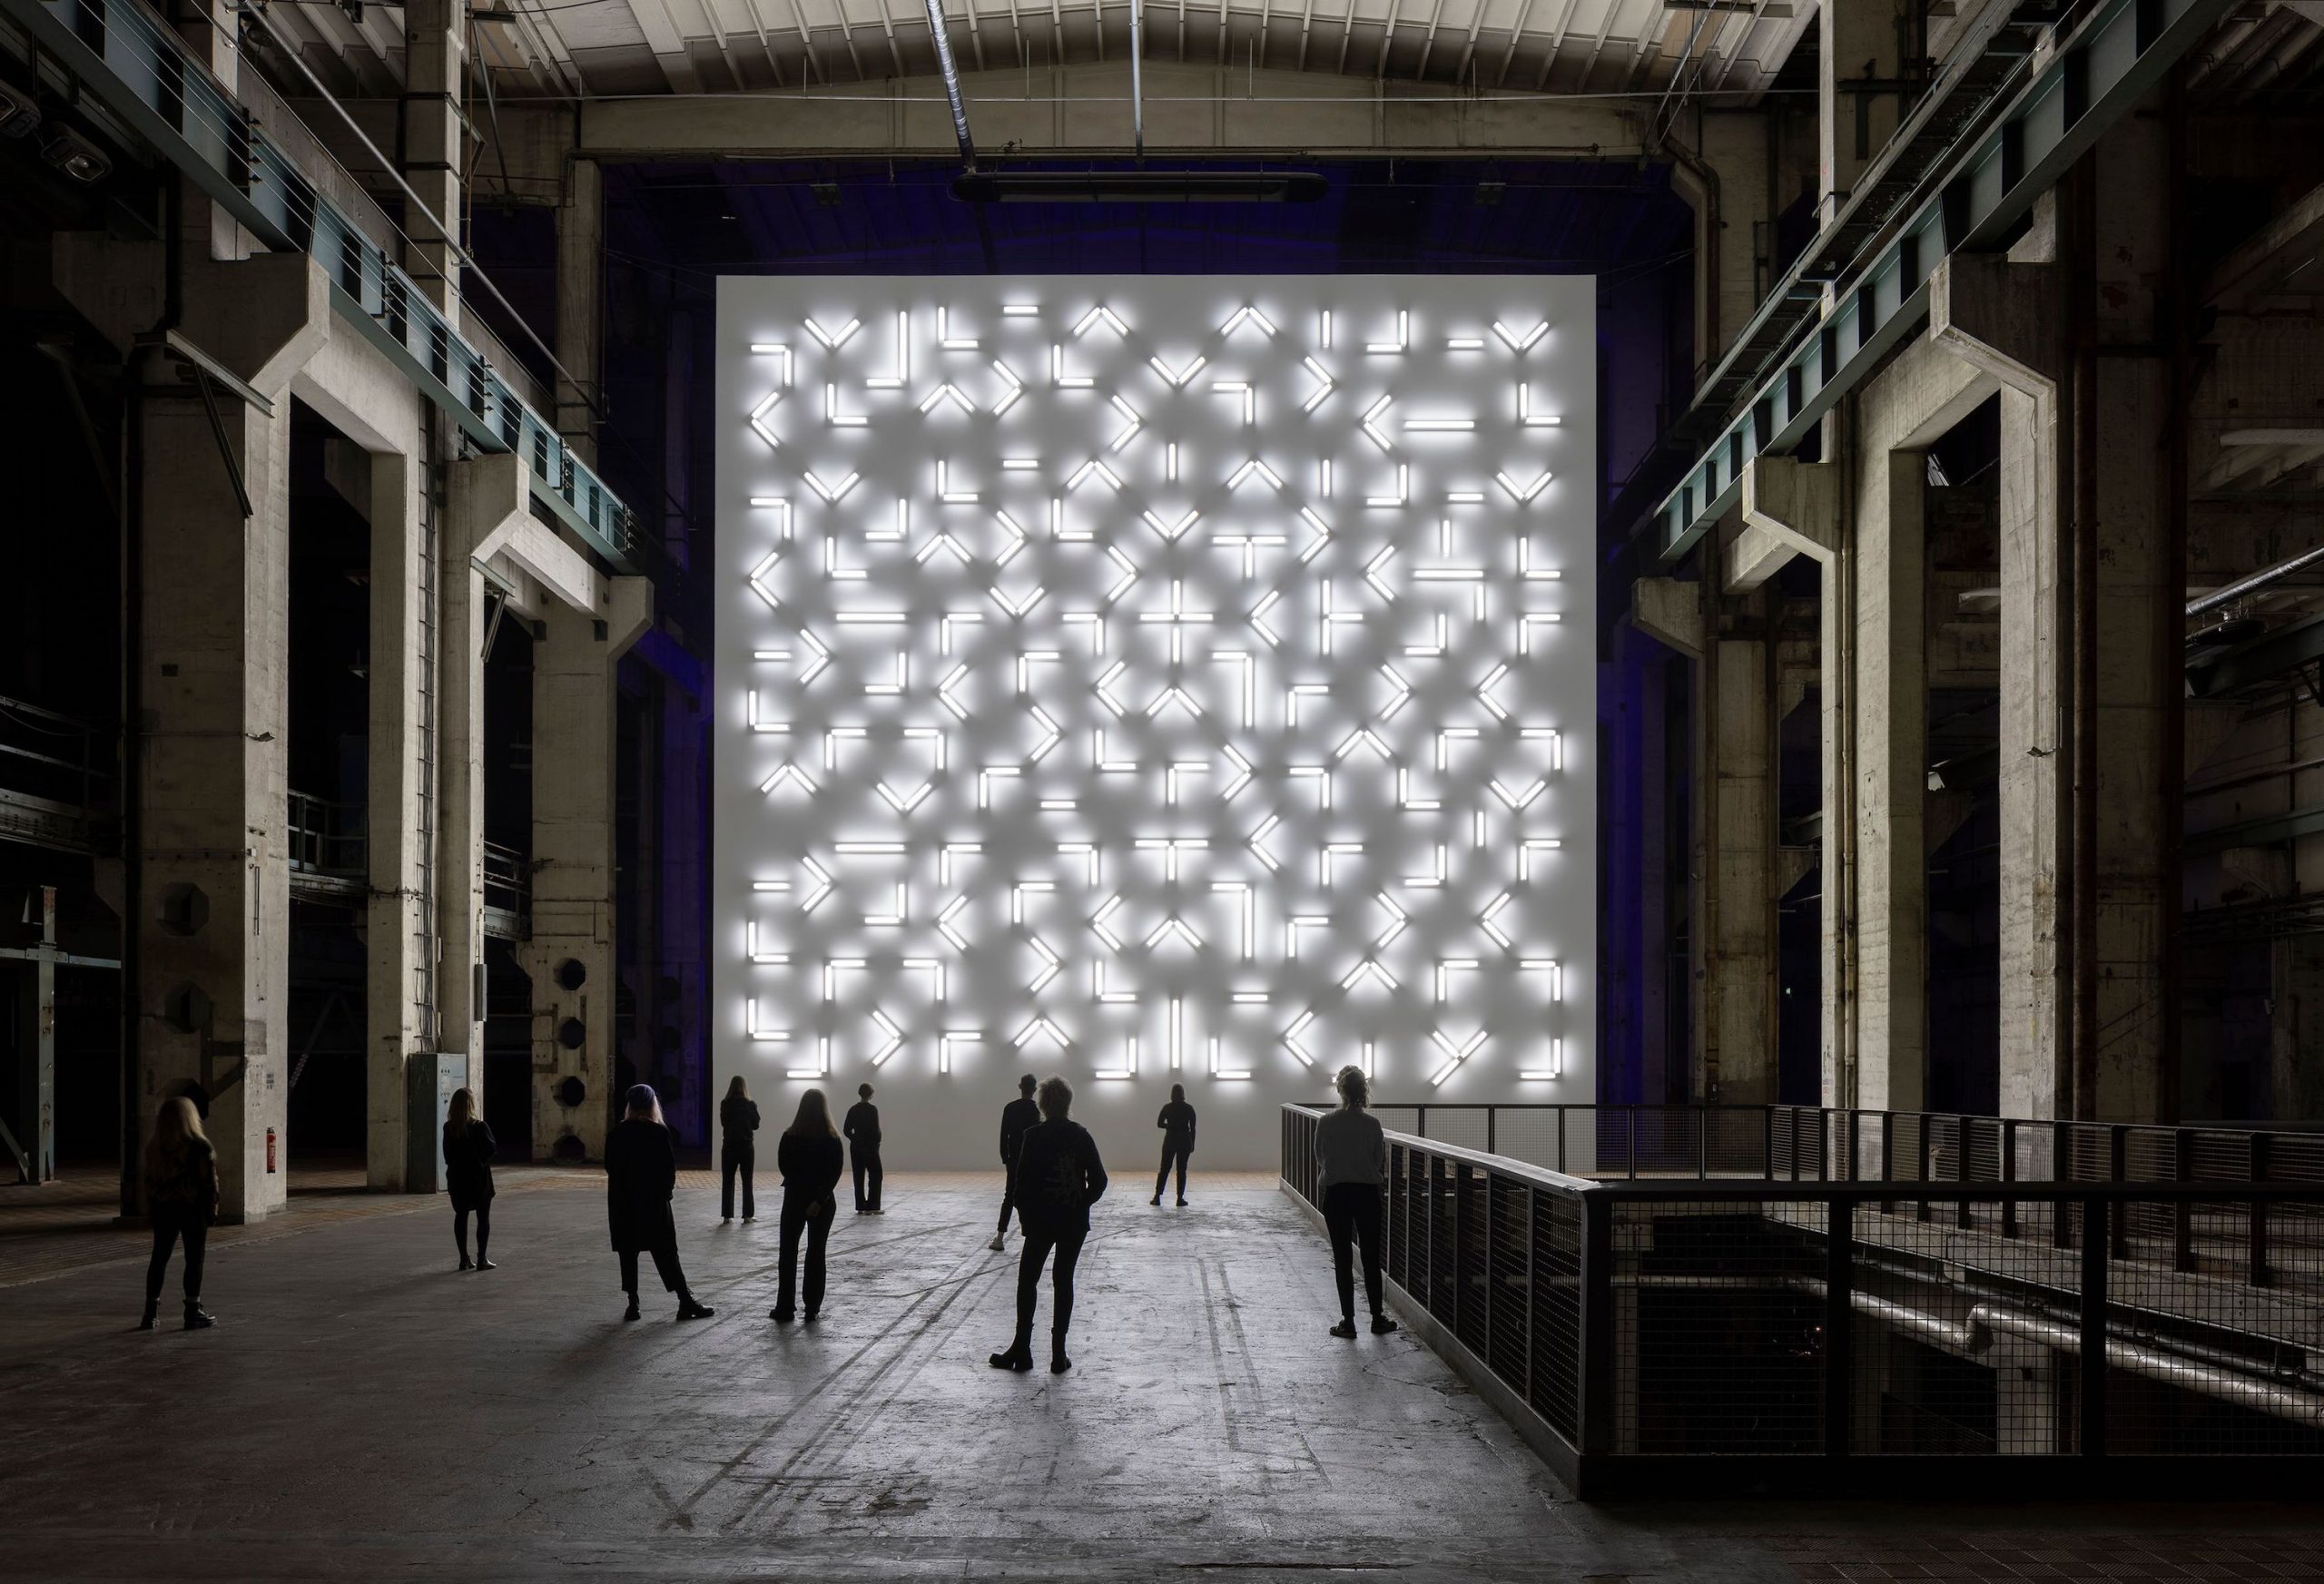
<point>468,1147</point>
<point>1058,1177</point>
<point>641,1173</point>
<point>1351,1168</point>
<point>810,1160</point>
<point>738,1119</point>
<point>181,1199</point>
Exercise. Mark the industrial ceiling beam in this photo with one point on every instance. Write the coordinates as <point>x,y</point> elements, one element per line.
<point>1974,194</point>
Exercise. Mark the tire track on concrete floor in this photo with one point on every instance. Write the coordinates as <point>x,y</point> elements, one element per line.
<point>843,1419</point>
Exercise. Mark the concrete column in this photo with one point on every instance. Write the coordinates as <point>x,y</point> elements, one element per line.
<point>570,957</point>
<point>1858,40</point>
<point>212,985</point>
<point>1891,767</point>
<point>2125,1058</point>
<point>1735,819</point>
<point>435,70</point>
<point>484,503</point>
<point>401,933</point>
<point>2002,316</point>
<point>580,266</point>
<point>1794,508</point>
<point>1726,180</point>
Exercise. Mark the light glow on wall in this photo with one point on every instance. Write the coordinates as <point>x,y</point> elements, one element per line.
<point>1130,677</point>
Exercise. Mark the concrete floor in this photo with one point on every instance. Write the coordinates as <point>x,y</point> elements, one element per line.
<point>363,1411</point>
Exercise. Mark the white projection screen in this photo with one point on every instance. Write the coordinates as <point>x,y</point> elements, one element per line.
<point>1153,679</point>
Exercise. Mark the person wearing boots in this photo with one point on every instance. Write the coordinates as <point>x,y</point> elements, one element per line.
<point>182,1197</point>
<point>863,1131</point>
<point>1058,1177</point>
<point>641,1173</point>
<point>468,1145</point>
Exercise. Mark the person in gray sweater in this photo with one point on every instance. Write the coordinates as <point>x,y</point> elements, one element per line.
<point>1350,1161</point>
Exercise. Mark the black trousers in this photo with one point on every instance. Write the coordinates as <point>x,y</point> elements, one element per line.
<point>169,1226</point>
<point>666,1265</point>
<point>733,1158</point>
<point>1040,1243</point>
<point>817,1227</point>
<point>1173,1151</point>
<point>1008,1195</point>
<point>483,1228</point>
<point>1352,1214</point>
<point>866,1164</point>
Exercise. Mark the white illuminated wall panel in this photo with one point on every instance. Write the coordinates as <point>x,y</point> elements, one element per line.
<point>1154,679</point>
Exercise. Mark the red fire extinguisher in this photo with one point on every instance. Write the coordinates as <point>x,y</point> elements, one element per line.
<point>269,1151</point>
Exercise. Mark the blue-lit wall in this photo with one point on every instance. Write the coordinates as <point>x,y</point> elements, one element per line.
<point>671,229</point>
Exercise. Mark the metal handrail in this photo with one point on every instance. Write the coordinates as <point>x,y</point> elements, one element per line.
<point>1534,1285</point>
<point>1827,1143</point>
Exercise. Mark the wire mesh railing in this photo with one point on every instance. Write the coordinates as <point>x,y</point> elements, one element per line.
<point>1837,1330</point>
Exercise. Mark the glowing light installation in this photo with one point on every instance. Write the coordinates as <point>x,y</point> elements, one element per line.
<point>1127,677</point>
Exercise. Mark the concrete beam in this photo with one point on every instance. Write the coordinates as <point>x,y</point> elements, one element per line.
<point>1671,612</point>
<point>264,318</point>
<point>1999,316</point>
<point>1789,508</point>
<point>1079,109</point>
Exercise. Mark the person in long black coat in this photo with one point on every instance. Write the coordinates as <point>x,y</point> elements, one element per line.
<point>1177,1122</point>
<point>810,1160</point>
<point>468,1147</point>
<point>641,1173</point>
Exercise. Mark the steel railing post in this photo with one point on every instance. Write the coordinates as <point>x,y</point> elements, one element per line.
<point>2094,1243</point>
<point>2118,1166</point>
<point>1839,1325</point>
<point>1598,1409</point>
<point>2182,1213</point>
<point>2256,1253</point>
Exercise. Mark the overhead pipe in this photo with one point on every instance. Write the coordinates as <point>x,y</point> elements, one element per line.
<point>1137,78</point>
<point>2257,581</point>
<point>951,83</point>
<point>1973,1337</point>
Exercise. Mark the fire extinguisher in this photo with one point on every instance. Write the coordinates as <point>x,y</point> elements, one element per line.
<point>270,1152</point>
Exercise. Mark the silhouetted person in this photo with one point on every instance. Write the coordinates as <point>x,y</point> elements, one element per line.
<point>468,1144</point>
<point>641,1172</point>
<point>862,1131</point>
<point>1017,1118</point>
<point>808,1156</point>
<point>1178,1124</point>
<point>182,1198</point>
<point>738,1123</point>
<point>1351,1167</point>
<point>1058,1177</point>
